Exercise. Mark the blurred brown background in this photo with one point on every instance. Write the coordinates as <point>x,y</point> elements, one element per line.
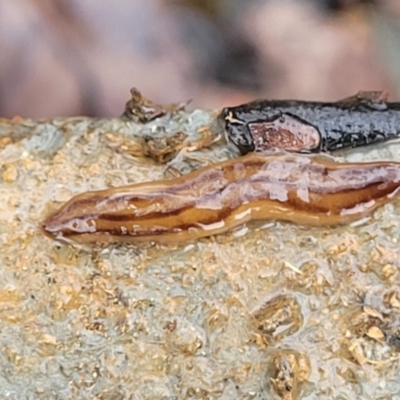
<point>72,57</point>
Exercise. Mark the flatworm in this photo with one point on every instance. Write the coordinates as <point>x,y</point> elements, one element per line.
<point>212,200</point>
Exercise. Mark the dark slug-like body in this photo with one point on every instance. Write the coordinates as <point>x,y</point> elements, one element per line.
<point>307,126</point>
<point>301,189</point>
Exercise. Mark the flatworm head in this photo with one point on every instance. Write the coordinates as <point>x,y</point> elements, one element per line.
<point>281,131</point>
<point>237,132</point>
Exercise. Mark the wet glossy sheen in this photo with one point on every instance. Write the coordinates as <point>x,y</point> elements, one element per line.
<point>301,189</point>
<point>352,122</point>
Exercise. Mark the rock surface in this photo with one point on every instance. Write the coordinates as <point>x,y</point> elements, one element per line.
<point>215,319</point>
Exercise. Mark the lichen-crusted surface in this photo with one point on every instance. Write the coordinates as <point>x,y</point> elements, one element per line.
<point>269,308</point>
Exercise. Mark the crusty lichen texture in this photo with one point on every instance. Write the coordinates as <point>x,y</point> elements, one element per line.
<point>266,311</point>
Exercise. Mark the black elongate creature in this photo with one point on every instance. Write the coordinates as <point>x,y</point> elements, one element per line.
<point>311,127</point>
